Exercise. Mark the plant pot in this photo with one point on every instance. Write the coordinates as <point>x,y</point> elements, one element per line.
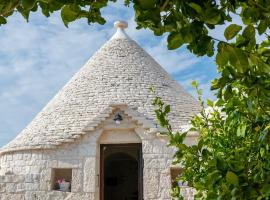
<point>64,186</point>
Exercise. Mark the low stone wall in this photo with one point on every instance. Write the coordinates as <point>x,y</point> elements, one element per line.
<point>57,195</point>
<point>26,187</point>
<point>14,186</point>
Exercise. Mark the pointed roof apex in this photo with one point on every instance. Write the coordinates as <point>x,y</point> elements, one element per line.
<point>120,24</point>
<point>120,33</point>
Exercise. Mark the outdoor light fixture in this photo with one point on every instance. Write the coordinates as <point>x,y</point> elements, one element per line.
<point>117,118</point>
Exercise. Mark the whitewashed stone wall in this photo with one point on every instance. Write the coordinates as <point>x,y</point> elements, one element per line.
<point>27,175</point>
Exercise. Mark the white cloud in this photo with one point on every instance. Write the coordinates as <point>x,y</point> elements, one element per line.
<point>172,61</point>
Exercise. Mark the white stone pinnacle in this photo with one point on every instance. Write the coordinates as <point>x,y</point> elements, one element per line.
<point>120,33</point>
<point>120,24</point>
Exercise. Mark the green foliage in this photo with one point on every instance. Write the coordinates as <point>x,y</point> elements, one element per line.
<point>232,158</point>
<point>71,10</point>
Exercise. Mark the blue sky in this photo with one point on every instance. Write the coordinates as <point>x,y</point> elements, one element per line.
<point>39,57</point>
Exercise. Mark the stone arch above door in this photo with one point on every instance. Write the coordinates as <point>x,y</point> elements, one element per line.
<point>119,137</point>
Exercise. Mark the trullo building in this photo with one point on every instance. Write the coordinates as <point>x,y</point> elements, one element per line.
<point>98,137</point>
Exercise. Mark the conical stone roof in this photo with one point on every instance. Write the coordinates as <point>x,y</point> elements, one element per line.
<point>120,72</point>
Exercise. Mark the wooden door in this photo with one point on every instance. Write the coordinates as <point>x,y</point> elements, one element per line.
<point>121,172</point>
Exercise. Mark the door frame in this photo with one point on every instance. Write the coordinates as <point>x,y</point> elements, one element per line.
<point>138,146</point>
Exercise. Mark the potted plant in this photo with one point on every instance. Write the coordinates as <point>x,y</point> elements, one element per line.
<point>63,185</point>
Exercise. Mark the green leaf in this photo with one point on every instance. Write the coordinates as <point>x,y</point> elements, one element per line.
<point>231,31</point>
<point>28,4</point>
<point>167,109</point>
<point>2,20</point>
<point>210,103</point>
<point>24,13</point>
<point>262,152</point>
<point>222,57</point>
<point>232,178</point>
<point>234,192</point>
<point>213,177</point>
<point>194,84</point>
<point>267,127</point>
<point>237,58</point>
<point>241,130</point>
<point>210,50</point>
<point>196,7</point>
<point>249,32</point>
<point>266,189</point>
<point>44,9</point>
<point>174,40</point>
<point>147,4</point>
<point>186,35</point>
<point>212,16</point>
<point>69,14</point>
<point>241,41</point>
<point>262,27</point>
<point>214,84</point>
<point>266,52</point>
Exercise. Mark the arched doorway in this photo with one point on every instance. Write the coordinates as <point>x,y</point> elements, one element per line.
<point>121,173</point>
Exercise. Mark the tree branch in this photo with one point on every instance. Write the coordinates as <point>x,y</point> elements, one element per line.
<point>164,5</point>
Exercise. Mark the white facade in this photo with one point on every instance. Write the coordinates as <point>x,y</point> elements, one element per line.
<point>68,132</point>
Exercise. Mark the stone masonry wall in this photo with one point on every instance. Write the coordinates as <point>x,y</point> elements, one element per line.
<point>27,175</point>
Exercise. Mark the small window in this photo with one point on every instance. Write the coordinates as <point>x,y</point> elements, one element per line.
<point>175,173</point>
<point>62,179</point>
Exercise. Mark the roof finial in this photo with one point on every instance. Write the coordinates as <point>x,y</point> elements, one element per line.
<point>120,24</point>
<point>120,32</point>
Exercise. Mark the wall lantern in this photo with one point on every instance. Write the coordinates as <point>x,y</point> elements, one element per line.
<point>117,118</point>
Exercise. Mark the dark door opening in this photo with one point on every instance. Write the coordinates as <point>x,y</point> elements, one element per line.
<point>121,172</point>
